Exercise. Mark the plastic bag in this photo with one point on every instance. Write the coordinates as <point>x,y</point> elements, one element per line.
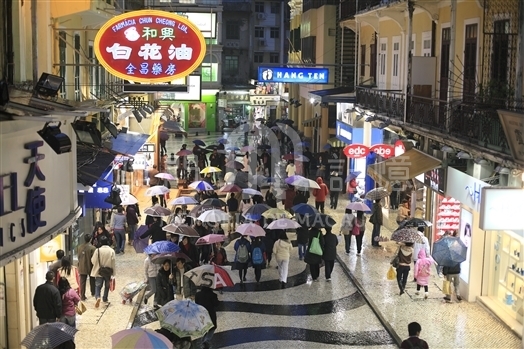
<point>446,287</point>
<point>112,284</point>
<point>392,274</point>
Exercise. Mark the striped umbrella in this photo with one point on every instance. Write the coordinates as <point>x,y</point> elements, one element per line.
<point>49,335</point>
<point>139,338</point>
<point>201,185</point>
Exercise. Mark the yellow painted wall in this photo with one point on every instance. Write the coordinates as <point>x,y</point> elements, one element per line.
<point>325,52</point>
<point>421,24</point>
<point>60,8</point>
<point>367,37</point>
<point>308,23</point>
<point>388,29</point>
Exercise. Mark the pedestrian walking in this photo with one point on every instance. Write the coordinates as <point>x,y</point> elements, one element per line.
<point>270,197</point>
<point>405,255</point>
<point>335,187</point>
<point>150,273</point>
<point>218,255</point>
<point>422,272</point>
<point>58,263</point>
<point>132,219</point>
<point>282,251</point>
<point>104,257</point>
<point>118,228</point>
<point>329,243</point>
<point>69,301</point>
<point>190,250</point>
<point>302,240</point>
<point>269,242</point>
<point>320,194</point>
<point>232,208</point>
<point>99,232</point>
<point>164,284</point>
<point>377,220</point>
<point>155,230</point>
<point>291,170</point>
<point>452,275</point>
<point>360,221</point>
<point>47,301</point>
<point>69,272</point>
<point>414,341</point>
<point>185,288</point>
<point>153,181</point>
<point>313,260</point>
<point>209,300</point>
<point>420,246</point>
<point>258,260</point>
<point>346,225</point>
<point>403,211</point>
<point>85,253</point>
<point>289,197</point>
<point>242,257</point>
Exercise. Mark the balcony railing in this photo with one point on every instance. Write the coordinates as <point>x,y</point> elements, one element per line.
<point>384,102</point>
<point>367,5</point>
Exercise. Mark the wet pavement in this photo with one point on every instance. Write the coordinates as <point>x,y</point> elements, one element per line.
<point>358,308</point>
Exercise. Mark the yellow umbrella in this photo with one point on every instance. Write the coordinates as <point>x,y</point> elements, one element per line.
<point>210,169</point>
<point>276,213</point>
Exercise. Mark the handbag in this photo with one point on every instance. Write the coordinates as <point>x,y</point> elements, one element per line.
<point>80,308</point>
<point>104,271</point>
<point>396,260</point>
<point>446,287</point>
<point>112,284</point>
<point>356,228</point>
<point>392,274</point>
<point>315,246</point>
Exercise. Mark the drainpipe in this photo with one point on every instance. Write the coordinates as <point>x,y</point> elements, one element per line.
<point>34,33</point>
<point>451,72</point>
<point>520,55</point>
<point>407,88</point>
<point>357,47</point>
<point>10,63</point>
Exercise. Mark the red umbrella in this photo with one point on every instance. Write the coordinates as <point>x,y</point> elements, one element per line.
<point>210,239</point>
<point>231,188</point>
<point>184,152</point>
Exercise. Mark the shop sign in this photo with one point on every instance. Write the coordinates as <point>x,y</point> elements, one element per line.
<point>48,250</point>
<point>400,148</point>
<point>465,188</point>
<point>344,132</point>
<point>384,150</point>
<point>293,75</point>
<point>501,209</point>
<point>356,151</point>
<point>149,46</point>
<point>513,124</point>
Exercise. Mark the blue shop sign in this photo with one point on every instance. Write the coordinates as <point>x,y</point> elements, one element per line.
<point>297,75</point>
<point>344,132</point>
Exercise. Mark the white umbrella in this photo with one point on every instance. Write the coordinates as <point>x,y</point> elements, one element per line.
<point>229,177</point>
<point>251,191</point>
<point>128,199</point>
<point>157,211</point>
<point>164,175</point>
<point>358,206</point>
<point>157,190</point>
<point>214,216</point>
<point>251,229</point>
<point>201,185</point>
<point>183,200</point>
<point>305,183</point>
<point>283,223</point>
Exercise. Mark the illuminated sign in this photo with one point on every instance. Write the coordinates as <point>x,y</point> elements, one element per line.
<point>298,75</point>
<point>355,151</point>
<point>149,46</point>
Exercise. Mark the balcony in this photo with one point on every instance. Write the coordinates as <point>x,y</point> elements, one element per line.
<point>347,9</point>
<point>368,5</point>
<point>383,102</point>
<point>237,5</point>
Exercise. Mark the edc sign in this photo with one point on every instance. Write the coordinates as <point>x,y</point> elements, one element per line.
<point>355,151</point>
<point>149,46</point>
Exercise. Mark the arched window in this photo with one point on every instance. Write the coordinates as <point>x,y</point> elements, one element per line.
<point>210,69</point>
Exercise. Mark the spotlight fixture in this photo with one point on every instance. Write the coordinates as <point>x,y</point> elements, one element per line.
<point>464,155</point>
<point>86,132</point>
<point>137,115</point>
<point>48,85</point>
<point>297,104</point>
<point>142,112</point>
<point>291,101</point>
<point>384,124</point>
<point>114,197</point>
<point>447,149</point>
<point>110,126</point>
<point>479,160</point>
<point>148,109</point>
<point>316,103</point>
<point>371,118</point>
<point>58,141</point>
<point>504,171</point>
<point>359,110</point>
<point>128,165</point>
<point>359,117</point>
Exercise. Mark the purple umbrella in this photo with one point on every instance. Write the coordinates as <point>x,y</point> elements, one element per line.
<point>291,179</point>
<point>352,175</point>
<point>138,243</point>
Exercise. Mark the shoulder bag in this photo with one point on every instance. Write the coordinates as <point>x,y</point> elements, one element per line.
<point>356,228</point>
<point>104,271</point>
<point>396,260</point>
<point>315,246</point>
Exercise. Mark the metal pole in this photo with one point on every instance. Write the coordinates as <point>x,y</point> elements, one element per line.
<point>451,78</point>
<point>520,54</point>
<point>34,33</point>
<point>407,88</point>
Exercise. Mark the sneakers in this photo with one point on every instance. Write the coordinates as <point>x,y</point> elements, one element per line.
<point>426,295</point>
<point>328,279</point>
<point>459,298</point>
<point>97,304</point>
<point>358,254</point>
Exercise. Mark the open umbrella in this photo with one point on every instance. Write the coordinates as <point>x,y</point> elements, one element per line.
<point>210,169</point>
<point>157,190</point>
<point>212,276</point>
<point>449,251</point>
<point>210,239</point>
<point>257,210</point>
<point>214,216</point>
<point>172,256</point>
<point>251,229</point>
<point>183,152</point>
<point>222,141</point>
<point>181,229</point>
<point>304,209</point>
<point>293,178</point>
<point>161,247</point>
<point>407,235</point>
<point>183,200</point>
<point>237,165</point>
<point>128,199</point>
<point>251,191</point>
<point>276,213</point>
<point>283,223</point>
<point>230,188</point>
<point>164,175</point>
<point>138,243</point>
<point>49,335</point>
<point>415,223</point>
<point>201,185</point>
<point>199,142</point>
<point>157,211</point>
<point>198,210</point>
<point>247,148</point>
<point>305,183</point>
<point>185,318</point>
<point>358,206</point>
<point>352,175</point>
<point>214,202</point>
<point>232,148</point>
<point>229,177</point>
<point>377,194</point>
<point>139,338</point>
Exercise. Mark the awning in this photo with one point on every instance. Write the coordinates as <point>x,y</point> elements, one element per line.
<point>343,94</point>
<point>95,197</point>
<point>336,143</point>
<point>402,168</point>
<point>128,143</point>
<point>92,169</point>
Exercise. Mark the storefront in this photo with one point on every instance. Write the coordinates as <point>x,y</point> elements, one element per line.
<point>233,108</point>
<point>503,273</point>
<point>39,203</point>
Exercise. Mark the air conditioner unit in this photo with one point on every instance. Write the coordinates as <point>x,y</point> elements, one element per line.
<point>261,16</point>
<point>262,42</point>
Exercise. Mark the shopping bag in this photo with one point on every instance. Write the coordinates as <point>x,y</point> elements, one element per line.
<point>315,246</point>
<point>392,274</point>
<point>112,284</point>
<point>80,308</point>
<point>446,287</point>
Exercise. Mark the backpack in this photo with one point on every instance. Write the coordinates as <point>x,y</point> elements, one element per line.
<point>425,271</point>
<point>242,254</point>
<point>257,256</point>
<point>356,227</point>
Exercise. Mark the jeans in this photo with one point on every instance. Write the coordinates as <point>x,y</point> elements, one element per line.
<point>283,266</point>
<point>375,234</point>
<point>333,199</point>
<point>131,232</point>
<point>83,280</point>
<point>69,320</point>
<point>455,278</point>
<point>120,236</point>
<point>152,284</point>
<point>301,251</point>
<point>319,206</point>
<point>347,242</point>
<point>359,239</point>
<point>402,276</point>
<point>314,269</point>
<point>99,281</point>
<point>328,268</point>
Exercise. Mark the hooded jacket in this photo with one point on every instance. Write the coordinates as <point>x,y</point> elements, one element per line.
<point>329,243</point>
<point>405,255</point>
<point>282,250</point>
<point>424,262</point>
<point>417,247</point>
<point>320,194</point>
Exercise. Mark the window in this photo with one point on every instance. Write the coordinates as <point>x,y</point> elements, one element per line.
<point>77,67</point>
<point>426,44</point>
<point>470,62</point>
<point>210,69</point>
<point>274,58</point>
<point>275,7</point>
<point>500,52</point>
<point>259,32</point>
<point>232,30</point>
<point>259,7</point>
<point>259,57</point>
<point>92,69</point>
<point>362,60</point>
<point>274,33</point>
<point>231,65</point>
<point>62,53</point>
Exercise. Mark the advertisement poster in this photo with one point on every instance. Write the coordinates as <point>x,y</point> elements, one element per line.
<point>466,224</point>
<point>197,115</point>
<point>48,250</point>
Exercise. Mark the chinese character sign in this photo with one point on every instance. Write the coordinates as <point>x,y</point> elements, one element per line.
<point>150,46</point>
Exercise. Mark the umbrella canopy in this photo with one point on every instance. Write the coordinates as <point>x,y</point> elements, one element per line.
<point>214,202</point>
<point>139,338</point>
<point>49,335</point>
<point>201,185</point>
<point>128,199</point>
<point>406,235</point>
<point>138,243</point>
<point>449,251</point>
<point>251,229</point>
<point>164,175</point>
<point>214,216</point>
<point>352,175</point>
<point>212,276</point>
<point>157,211</point>
<point>172,256</point>
<point>276,213</point>
<point>257,210</point>
<point>247,148</point>
<point>291,179</point>
<point>210,169</point>
<point>183,200</point>
<point>305,183</point>
<point>210,239</point>
<point>415,223</point>
<point>198,210</point>
<point>157,190</point>
<point>183,152</point>
<point>185,318</point>
<point>237,165</point>
<point>199,142</point>
<point>222,141</point>
<point>161,247</point>
<point>377,194</point>
<point>181,229</point>
<point>231,188</point>
<point>358,206</point>
<point>283,223</point>
<point>251,191</point>
<point>305,209</point>
<point>232,148</point>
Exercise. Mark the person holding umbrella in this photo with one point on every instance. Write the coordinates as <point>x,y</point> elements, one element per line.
<point>242,249</point>
<point>164,284</point>
<point>185,288</point>
<point>282,251</point>
<point>189,250</point>
<point>258,260</point>
<point>155,230</point>
<point>329,244</point>
<point>405,256</point>
<point>377,220</point>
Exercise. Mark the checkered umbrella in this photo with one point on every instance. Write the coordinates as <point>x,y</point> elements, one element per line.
<point>49,335</point>
<point>377,194</point>
<point>407,235</point>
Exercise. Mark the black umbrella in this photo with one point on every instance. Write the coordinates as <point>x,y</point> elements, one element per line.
<point>415,223</point>
<point>213,202</point>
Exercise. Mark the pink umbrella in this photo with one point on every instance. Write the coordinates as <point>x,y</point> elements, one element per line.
<point>283,223</point>
<point>230,188</point>
<point>184,152</point>
<point>210,239</point>
<point>251,229</point>
<point>164,175</point>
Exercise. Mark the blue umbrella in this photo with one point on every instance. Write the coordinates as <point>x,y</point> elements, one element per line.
<point>199,142</point>
<point>327,146</point>
<point>305,209</point>
<point>252,216</point>
<point>222,141</point>
<point>449,251</point>
<point>352,175</point>
<point>161,247</point>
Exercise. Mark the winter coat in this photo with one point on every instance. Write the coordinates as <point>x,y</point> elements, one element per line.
<point>164,287</point>
<point>69,300</point>
<point>185,286</point>
<point>320,194</point>
<point>282,250</point>
<point>47,301</point>
<point>347,223</point>
<point>85,252</point>
<point>107,259</point>
<point>191,251</point>
<point>131,215</point>
<point>451,270</point>
<point>423,262</point>
<point>156,232</point>
<point>329,243</point>
<point>417,247</point>
<point>376,217</point>
<point>302,235</point>
<point>150,268</point>
<point>209,300</point>
<point>311,258</point>
<point>405,255</point>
